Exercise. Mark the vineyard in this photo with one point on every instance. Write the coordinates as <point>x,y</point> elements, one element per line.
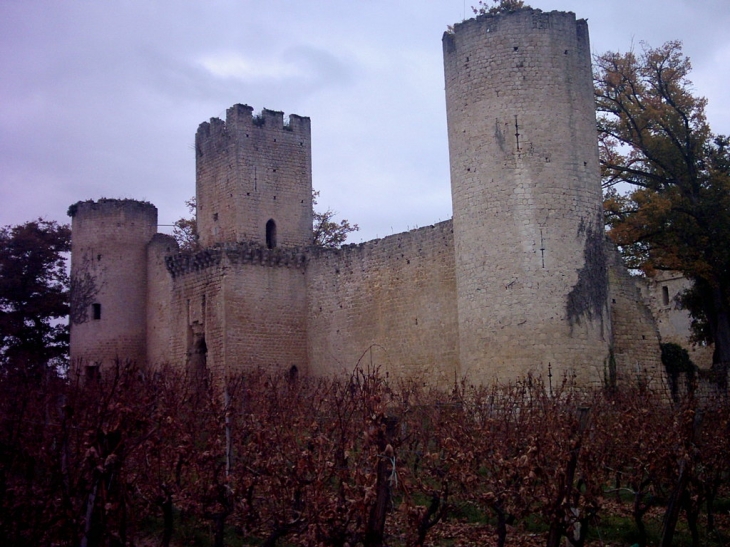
<point>143,459</point>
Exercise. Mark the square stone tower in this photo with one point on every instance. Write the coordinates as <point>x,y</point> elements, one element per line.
<point>254,179</point>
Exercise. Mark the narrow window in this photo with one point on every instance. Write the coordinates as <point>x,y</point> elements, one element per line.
<point>96,311</point>
<point>271,234</point>
<point>293,373</point>
<point>665,295</point>
<point>92,373</point>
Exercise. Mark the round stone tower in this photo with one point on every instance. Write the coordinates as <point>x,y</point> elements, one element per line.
<point>531,277</point>
<point>109,241</point>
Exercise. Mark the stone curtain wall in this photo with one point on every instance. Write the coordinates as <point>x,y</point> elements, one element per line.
<point>673,322</point>
<point>390,302</point>
<point>160,318</point>
<point>635,336</point>
<point>196,312</point>
<point>531,275</point>
<point>252,169</point>
<point>265,312</point>
<point>109,270</point>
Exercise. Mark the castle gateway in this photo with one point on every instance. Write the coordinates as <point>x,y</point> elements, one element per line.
<point>521,280</point>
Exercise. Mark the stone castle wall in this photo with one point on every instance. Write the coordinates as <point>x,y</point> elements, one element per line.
<point>518,282</point>
<point>246,302</point>
<point>528,228</point>
<point>160,318</point>
<point>390,303</point>
<point>661,293</point>
<point>635,335</point>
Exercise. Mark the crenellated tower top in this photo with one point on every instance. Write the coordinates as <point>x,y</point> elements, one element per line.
<point>254,179</point>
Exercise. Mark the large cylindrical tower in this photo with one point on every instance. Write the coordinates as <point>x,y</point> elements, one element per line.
<point>528,232</point>
<point>109,241</point>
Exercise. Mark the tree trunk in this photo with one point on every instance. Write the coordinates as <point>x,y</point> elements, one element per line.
<point>429,519</point>
<point>638,513</point>
<point>673,507</point>
<point>718,316</point>
<point>501,525</point>
<point>87,539</point>
<point>557,525</point>
<point>219,521</point>
<point>692,516</point>
<point>711,506</point>
<point>167,520</point>
<point>376,523</point>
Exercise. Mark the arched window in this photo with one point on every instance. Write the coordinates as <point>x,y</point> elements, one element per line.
<point>271,234</point>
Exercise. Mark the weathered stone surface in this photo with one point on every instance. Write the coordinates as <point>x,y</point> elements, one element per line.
<point>526,195</point>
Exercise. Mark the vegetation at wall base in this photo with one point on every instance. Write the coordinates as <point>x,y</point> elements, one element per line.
<point>154,458</point>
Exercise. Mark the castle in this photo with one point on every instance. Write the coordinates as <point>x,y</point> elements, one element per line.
<point>521,280</point>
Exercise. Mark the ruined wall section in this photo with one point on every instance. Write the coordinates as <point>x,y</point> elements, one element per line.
<point>250,170</point>
<point>661,293</point>
<point>246,302</point>
<point>160,318</point>
<point>389,303</point>
<point>109,280</point>
<point>636,353</point>
<point>528,230</point>
<point>197,340</point>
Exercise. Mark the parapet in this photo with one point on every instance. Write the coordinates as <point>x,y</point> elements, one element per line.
<point>527,18</point>
<point>111,207</point>
<point>245,252</point>
<point>241,119</point>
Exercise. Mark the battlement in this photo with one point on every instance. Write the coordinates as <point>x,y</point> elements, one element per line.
<point>245,252</point>
<point>241,119</point>
<point>109,207</point>
<point>520,22</point>
<point>254,171</point>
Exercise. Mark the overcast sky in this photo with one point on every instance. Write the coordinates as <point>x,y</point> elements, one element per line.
<point>103,98</point>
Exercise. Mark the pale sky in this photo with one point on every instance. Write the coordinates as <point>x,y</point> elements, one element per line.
<point>103,98</point>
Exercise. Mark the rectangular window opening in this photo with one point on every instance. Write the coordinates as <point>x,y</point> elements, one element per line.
<point>96,311</point>
<point>92,373</point>
<point>665,295</point>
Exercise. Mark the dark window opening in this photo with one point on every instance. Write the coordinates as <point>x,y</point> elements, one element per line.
<point>92,373</point>
<point>198,359</point>
<point>665,295</point>
<point>271,234</point>
<point>96,312</point>
<point>293,373</point>
<point>215,217</point>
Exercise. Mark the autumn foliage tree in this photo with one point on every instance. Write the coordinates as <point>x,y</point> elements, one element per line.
<point>185,229</point>
<point>655,138</point>
<point>326,230</point>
